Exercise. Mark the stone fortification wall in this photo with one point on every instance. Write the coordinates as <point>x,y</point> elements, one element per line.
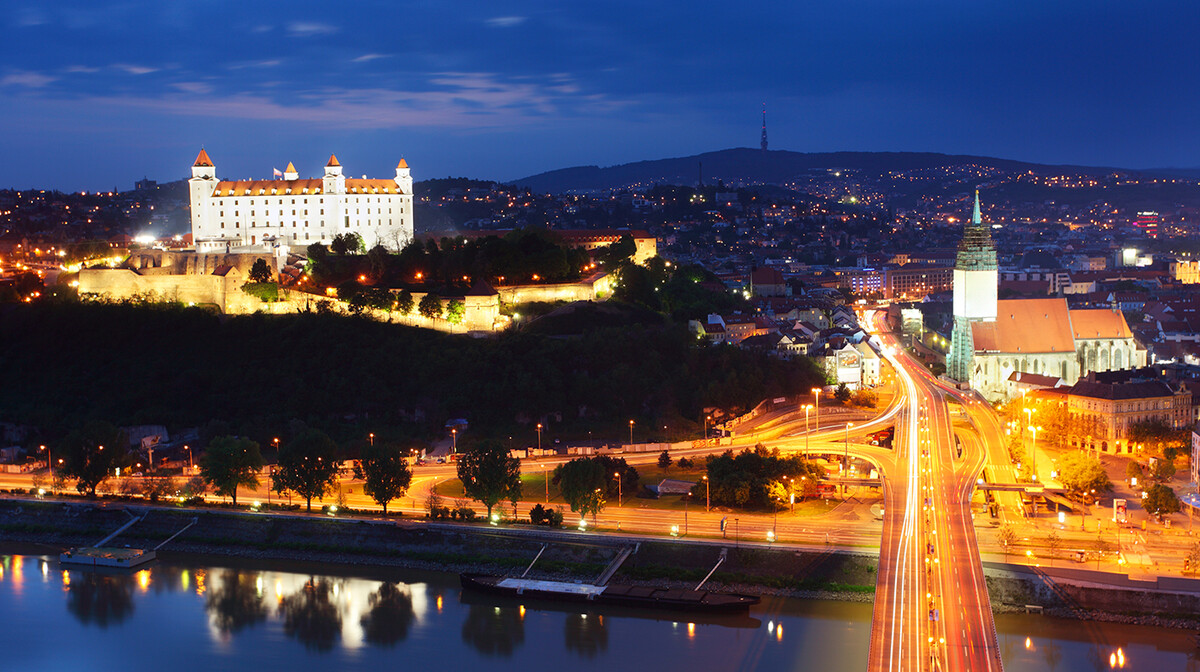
<point>122,283</point>
<point>589,289</point>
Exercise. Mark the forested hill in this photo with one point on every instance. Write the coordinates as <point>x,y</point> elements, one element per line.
<point>65,364</point>
<point>744,165</point>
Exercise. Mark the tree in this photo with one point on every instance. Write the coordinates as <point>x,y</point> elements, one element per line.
<point>1081,474</point>
<point>1007,537</point>
<point>1053,542</point>
<point>229,462</point>
<point>317,252</point>
<point>259,271</point>
<point>583,483</point>
<point>1192,561</point>
<point>430,306</point>
<point>404,302</point>
<point>386,474</point>
<point>1133,470</point>
<point>346,243</point>
<point>91,454</point>
<point>664,460</point>
<point>489,474</point>
<point>455,311</point>
<point>1161,500</point>
<point>307,466</point>
<point>1163,470</point>
<point>842,393</point>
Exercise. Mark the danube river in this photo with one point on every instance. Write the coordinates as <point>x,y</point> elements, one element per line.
<point>205,614</point>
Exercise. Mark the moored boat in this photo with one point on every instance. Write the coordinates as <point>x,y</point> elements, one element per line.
<point>677,599</point>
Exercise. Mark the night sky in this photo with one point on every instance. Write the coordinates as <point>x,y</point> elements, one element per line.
<point>98,94</point>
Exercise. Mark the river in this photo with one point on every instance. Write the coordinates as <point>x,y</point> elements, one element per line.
<point>221,614</point>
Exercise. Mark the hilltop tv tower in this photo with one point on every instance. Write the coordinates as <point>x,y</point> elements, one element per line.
<point>764,130</point>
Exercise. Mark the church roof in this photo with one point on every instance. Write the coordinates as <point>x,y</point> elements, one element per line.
<point>291,168</point>
<point>202,159</point>
<point>1099,323</point>
<point>1142,390</point>
<point>1026,326</point>
<point>402,164</point>
<point>332,161</point>
<point>301,187</point>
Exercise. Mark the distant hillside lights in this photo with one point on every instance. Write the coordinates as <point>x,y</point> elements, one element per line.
<point>261,215</point>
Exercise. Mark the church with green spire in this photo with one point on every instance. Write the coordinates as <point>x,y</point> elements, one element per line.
<point>999,347</point>
<point>976,282</point>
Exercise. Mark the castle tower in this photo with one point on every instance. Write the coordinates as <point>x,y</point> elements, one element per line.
<point>764,128</point>
<point>290,172</point>
<point>200,189</point>
<point>404,177</point>
<point>333,181</point>
<point>975,292</point>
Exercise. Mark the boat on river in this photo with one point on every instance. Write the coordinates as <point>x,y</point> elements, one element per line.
<point>646,597</point>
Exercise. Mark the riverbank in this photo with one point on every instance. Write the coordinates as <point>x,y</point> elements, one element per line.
<point>423,545</point>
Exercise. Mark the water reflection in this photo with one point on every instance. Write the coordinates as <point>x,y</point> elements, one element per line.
<point>390,616</point>
<point>493,630</point>
<point>310,615</point>
<point>586,634</point>
<point>236,602</point>
<point>100,599</point>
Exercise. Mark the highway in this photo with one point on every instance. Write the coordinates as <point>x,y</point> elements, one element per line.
<point>932,610</point>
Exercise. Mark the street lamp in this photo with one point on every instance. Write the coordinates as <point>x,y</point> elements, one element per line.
<point>631,433</point>
<point>190,465</point>
<point>539,431</point>
<point>371,438</point>
<point>49,466</point>
<point>817,406</point>
<point>807,408</point>
<point>846,466</point>
<point>454,439</point>
<point>707,419</point>
<point>546,477</point>
<point>707,495</point>
<point>1033,451</point>
<point>617,476</point>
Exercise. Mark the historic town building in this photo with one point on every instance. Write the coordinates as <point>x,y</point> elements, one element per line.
<point>294,212</point>
<point>992,339</point>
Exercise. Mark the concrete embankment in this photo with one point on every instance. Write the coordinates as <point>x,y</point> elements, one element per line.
<point>422,545</point>
<point>417,544</point>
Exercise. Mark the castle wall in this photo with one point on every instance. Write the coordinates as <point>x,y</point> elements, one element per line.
<point>589,289</point>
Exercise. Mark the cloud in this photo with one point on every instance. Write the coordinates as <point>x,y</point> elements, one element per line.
<point>450,99</point>
<point>505,21</point>
<point>310,28</point>
<point>31,17</point>
<point>135,69</point>
<point>254,64</point>
<point>193,87</point>
<point>368,57</point>
<point>26,78</point>
<point>86,69</point>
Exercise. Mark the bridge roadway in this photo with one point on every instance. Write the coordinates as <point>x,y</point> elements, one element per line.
<point>929,564</point>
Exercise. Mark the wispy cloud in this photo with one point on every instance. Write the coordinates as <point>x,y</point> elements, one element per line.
<point>86,69</point>
<point>505,21</point>
<point>368,57</point>
<point>27,79</point>
<point>135,69</point>
<point>193,87</point>
<point>455,99</point>
<point>28,16</point>
<point>270,63</point>
<point>310,28</point>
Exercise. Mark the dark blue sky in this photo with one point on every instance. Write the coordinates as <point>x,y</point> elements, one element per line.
<point>96,94</point>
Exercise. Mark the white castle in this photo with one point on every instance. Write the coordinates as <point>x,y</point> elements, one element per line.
<point>291,212</point>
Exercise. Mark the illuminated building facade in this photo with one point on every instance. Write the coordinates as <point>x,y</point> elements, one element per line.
<point>275,214</point>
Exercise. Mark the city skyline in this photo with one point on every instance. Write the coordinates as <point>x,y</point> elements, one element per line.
<point>103,96</point>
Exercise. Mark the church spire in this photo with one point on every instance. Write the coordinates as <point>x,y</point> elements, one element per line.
<point>976,218</point>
